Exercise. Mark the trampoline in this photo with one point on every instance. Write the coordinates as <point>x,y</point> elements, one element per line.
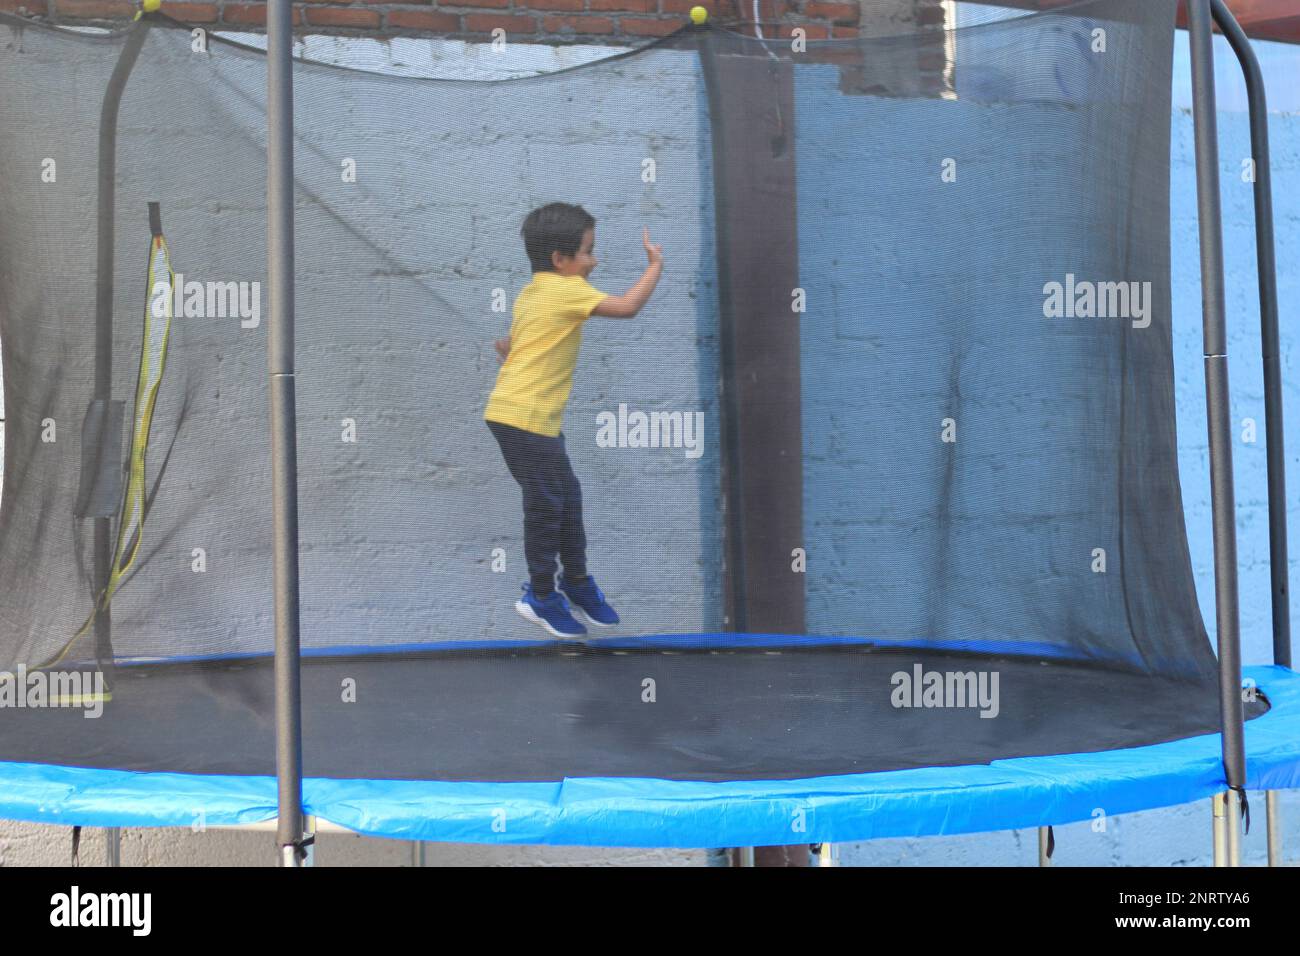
<point>603,809</point>
<point>883,481</point>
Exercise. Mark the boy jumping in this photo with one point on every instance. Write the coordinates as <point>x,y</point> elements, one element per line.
<point>526,409</point>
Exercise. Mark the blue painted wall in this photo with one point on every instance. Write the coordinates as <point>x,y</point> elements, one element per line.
<point>1181,835</point>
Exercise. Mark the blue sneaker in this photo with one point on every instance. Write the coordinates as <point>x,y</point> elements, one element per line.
<point>552,612</point>
<point>589,602</point>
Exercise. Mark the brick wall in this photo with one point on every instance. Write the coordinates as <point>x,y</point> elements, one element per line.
<point>611,21</point>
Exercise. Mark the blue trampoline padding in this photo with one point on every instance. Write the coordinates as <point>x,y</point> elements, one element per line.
<point>607,811</point>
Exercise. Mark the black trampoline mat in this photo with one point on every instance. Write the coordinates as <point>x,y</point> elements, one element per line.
<point>552,713</point>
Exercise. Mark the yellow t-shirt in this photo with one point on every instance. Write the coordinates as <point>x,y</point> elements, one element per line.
<point>535,379</point>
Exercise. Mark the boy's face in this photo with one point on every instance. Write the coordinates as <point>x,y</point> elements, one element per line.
<point>582,262</point>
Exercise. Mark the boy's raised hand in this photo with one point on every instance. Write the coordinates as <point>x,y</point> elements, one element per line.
<point>655,253</point>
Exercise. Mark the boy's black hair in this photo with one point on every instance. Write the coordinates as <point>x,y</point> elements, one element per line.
<point>557,227</point>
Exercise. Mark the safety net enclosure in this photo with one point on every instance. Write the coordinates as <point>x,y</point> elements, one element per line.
<point>882,481</point>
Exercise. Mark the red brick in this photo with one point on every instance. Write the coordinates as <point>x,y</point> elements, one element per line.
<point>844,13</point>
<point>932,16</point>
<point>567,5</point>
<point>192,12</point>
<point>849,57</point>
<point>624,6</point>
<point>430,21</point>
<point>254,13</point>
<point>683,7</point>
<point>349,17</point>
<point>811,31</point>
<point>477,4</point>
<point>487,22</point>
<point>931,60</point>
<point>584,25</point>
<point>648,28</point>
<point>844,33</point>
<point>770,12</point>
<point>35,8</point>
<point>95,9</point>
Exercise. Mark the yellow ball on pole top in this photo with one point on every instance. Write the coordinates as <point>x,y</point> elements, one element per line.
<point>150,6</point>
<point>699,15</point>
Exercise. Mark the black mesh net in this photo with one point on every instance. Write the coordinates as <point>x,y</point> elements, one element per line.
<point>906,386</point>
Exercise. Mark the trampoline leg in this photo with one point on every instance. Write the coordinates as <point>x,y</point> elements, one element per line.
<point>417,853</point>
<point>828,855</point>
<point>308,834</point>
<point>1233,829</point>
<point>1274,827</point>
<point>1220,801</point>
<point>1043,858</point>
<point>290,854</point>
<point>794,855</point>
<point>112,846</point>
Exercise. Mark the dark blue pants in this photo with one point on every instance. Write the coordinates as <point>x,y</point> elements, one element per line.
<point>552,504</point>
